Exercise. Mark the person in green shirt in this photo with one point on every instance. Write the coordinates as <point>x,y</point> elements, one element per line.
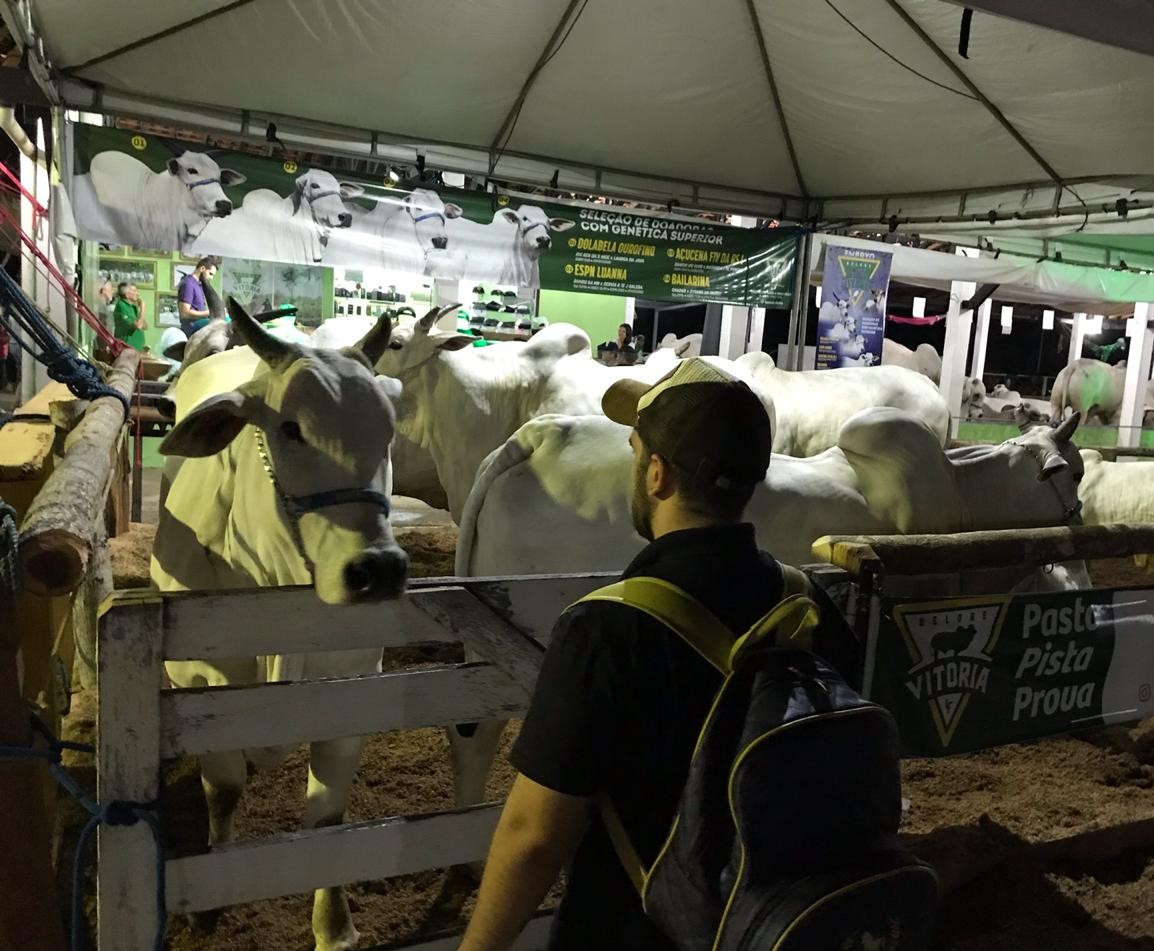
<point>128,316</point>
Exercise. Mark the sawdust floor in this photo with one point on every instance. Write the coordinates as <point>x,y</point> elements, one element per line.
<point>969,815</point>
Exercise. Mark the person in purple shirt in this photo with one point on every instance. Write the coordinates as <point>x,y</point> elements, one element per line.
<point>190,302</point>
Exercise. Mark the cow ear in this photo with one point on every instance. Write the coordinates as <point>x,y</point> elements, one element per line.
<point>173,167</point>
<point>560,224</point>
<point>510,216</point>
<point>456,342</point>
<point>228,177</point>
<point>211,426</point>
<point>453,211</point>
<point>351,190</point>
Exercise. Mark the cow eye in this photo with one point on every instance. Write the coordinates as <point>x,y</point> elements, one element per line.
<point>193,171</point>
<point>292,430</point>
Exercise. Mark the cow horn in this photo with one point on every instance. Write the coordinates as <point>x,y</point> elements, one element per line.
<point>212,300</point>
<point>426,323</point>
<point>374,344</point>
<point>1063,433</point>
<point>277,353</point>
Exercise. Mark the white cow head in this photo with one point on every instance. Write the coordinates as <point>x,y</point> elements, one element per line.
<point>325,198</point>
<point>324,422</point>
<point>419,341</point>
<point>204,183</point>
<point>533,227</point>
<point>1048,454</point>
<point>428,213</point>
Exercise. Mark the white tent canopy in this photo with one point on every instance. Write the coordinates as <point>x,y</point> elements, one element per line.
<point>1061,286</point>
<point>834,109</point>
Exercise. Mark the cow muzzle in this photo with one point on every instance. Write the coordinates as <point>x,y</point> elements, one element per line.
<point>223,208</point>
<point>376,574</point>
<point>440,243</point>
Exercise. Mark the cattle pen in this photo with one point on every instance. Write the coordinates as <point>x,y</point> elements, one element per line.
<point>889,586</point>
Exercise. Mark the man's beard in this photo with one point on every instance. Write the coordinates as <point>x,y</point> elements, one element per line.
<point>640,506</point>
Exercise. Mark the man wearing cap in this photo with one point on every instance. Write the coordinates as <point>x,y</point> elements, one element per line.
<point>620,699</point>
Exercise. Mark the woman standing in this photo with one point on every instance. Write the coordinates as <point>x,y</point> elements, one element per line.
<point>128,316</point>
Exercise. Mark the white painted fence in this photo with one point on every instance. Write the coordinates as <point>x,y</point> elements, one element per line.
<point>506,621</point>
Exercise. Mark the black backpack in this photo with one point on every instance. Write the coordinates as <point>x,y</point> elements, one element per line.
<point>785,837</point>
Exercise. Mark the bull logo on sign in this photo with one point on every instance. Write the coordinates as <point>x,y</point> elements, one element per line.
<point>950,653</point>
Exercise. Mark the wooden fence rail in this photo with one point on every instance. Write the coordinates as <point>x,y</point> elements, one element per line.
<point>140,724</point>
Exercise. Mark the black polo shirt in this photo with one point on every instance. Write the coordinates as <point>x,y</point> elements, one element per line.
<point>618,706</point>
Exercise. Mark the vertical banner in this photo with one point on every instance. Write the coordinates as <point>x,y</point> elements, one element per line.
<point>851,322</point>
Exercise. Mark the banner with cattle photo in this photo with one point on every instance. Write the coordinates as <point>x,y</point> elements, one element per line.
<point>851,322</point>
<point>161,195</point>
<point>969,673</point>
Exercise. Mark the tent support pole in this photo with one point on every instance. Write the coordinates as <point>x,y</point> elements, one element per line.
<point>955,350</point>
<point>795,350</point>
<point>978,94</point>
<point>1137,374</point>
<point>519,102</point>
<point>153,37</point>
<point>776,96</point>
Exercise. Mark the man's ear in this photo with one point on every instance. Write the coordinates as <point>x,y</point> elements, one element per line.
<point>212,425</point>
<point>659,478</point>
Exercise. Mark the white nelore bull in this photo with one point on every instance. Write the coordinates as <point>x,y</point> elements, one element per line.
<point>398,234</point>
<point>1090,387</point>
<point>284,480</point>
<point>506,250</point>
<point>813,405</point>
<point>460,406</point>
<point>555,498</point>
<point>294,229</point>
<point>1118,493</point>
<point>121,199</point>
<point>925,359</point>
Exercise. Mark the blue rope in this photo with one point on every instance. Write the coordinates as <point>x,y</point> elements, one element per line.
<point>115,813</point>
<point>81,377</point>
<point>8,577</point>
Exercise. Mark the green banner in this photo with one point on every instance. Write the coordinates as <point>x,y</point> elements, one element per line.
<point>639,256</point>
<point>161,195</point>
<point>970,673</point>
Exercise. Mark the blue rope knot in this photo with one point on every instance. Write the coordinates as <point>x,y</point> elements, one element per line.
<point>118,812</point>
<point>122,812</point>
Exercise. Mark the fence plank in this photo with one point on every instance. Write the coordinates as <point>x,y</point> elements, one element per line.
<point>298,862</point>
<point>533,604</point>
<point>223,718</point>
<point>128,660</point>
<point>250,623</point>
<point>493,639</point>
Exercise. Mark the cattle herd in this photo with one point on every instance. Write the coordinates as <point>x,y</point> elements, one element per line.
<point>284,454</point>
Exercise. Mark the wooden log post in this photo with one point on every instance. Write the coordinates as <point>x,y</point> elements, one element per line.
<point>942,554</point>
<point>29,913</point>
<point>85,611</point>
<point>56,539</point>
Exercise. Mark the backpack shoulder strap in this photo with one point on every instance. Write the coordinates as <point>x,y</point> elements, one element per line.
<point>795,581</point>
<point>691,620</point>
